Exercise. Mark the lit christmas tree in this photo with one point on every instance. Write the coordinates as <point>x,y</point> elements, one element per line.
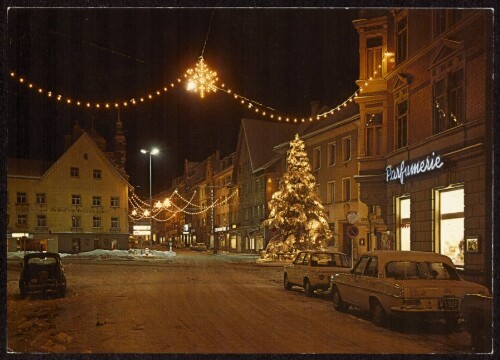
<point>296,212</point>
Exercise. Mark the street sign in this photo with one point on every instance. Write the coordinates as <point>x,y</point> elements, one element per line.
<point>352,231</point>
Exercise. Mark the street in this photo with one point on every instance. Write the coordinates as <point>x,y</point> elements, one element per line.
<point>197,302</point>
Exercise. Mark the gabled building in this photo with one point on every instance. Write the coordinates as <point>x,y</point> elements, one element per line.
<point>256,172</point>
<point>425,134</point>
<point>79,203</point>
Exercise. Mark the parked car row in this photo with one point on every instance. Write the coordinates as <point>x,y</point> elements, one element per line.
<point>386,283</point>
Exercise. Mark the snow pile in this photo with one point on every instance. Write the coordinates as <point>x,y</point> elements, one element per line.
<point>100,254</point>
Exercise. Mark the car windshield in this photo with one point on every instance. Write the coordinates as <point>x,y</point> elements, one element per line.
<point>42,261</point>
<point>413,270</point>
<point>337,260</point>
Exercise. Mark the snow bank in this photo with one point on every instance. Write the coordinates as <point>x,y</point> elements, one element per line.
<point>133,254</point>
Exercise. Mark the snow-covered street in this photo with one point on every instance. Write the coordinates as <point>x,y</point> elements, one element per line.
<point>197,302</point>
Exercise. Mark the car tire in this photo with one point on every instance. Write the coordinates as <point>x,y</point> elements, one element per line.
<point>379,316</point>
<point>308,290</point>
<point>286,284</point>
<point>338,303</point>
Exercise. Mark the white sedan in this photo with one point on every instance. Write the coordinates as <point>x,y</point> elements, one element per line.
<point>418,283</point>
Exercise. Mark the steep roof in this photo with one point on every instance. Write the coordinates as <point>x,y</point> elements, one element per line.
<point>25,167</point>
<point>261,137</point>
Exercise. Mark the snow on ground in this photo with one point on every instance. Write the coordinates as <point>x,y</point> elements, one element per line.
<point>133,254</point>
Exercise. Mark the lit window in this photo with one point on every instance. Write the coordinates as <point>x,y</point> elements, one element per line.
<point>451,224</point>
<point>76,200</point>
<point>448,101</point>
<point>373,56</point>
<point>75,172</point>
<point>404,222</point>
<point>373,134</point>
<point>97,174</point>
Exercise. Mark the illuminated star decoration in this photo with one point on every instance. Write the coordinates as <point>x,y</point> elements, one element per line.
<point>202,79</point>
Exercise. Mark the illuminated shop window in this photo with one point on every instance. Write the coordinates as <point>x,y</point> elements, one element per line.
<point>450,223</point>
<point>403,222</point>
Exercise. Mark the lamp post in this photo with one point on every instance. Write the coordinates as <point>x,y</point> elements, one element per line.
<point>152,151</point>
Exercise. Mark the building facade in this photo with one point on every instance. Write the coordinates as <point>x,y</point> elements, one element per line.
<point>425,138</point>
<point>77,204</point>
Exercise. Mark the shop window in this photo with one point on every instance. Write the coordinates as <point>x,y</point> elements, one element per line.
<point>97,174</point>
<point>21,198</point>
<point>448,101</point>
<point>316,158</point>
<point>331,192</point>
<point>41,220</point>
<point>403,222</point>
<point>76,199</point>
<point>373,133</point>
<point>331,154</point>
<point>374,56</point>
<point>402,39</point>
<point>346,189</point>
<point>74,172</point>
<point>346,149</point>
<point>450,223</point>
<point>402,123</point>
<point>40,198</point>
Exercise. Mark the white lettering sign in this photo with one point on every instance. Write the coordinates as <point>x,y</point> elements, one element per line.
<point>431,162</point>
<point>142,227</point>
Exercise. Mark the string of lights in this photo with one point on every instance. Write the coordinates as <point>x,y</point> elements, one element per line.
<point>442,114</point>
<point>201,80</point>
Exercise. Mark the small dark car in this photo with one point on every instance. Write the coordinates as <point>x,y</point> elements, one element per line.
<point>42,272</point>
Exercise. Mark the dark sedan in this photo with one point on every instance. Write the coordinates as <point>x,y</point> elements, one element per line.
<point>42,272</point>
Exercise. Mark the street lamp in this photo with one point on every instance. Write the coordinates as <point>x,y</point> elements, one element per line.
<point>152,151</point>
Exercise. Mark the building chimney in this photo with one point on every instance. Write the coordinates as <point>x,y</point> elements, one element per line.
<point>314,107</point>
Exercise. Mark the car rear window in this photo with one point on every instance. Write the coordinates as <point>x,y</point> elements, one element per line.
<point>413,270</point>
<point>326,260</point>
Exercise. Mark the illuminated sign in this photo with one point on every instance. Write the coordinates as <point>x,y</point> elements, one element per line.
<point>142,232</point>
<point>19,235</point>
<point>142,227</point>
<point>431,162</point>
<point>222,228</point>
<point>186,227</point>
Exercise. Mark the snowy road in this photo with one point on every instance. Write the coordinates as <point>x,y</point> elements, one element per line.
<point>199,303</point>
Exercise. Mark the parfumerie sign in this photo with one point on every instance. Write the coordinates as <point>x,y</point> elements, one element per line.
<point>403,170</point>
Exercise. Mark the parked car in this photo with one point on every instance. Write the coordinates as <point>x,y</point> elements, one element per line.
<point>42,272</point>
<point>477,311</point>
<point>312,270</point>
<point>404,283</point>
<point>198,247</point>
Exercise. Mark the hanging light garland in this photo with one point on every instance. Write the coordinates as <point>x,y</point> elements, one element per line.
<point>201,80</point>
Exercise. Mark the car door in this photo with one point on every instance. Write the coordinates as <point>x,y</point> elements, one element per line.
<point>368,282</point>
<point>356,288</point>
<point>295,268</point>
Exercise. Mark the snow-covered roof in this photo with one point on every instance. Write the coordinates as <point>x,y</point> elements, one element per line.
<point>261,137</point>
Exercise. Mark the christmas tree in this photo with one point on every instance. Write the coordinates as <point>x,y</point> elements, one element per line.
<point>296,213</point>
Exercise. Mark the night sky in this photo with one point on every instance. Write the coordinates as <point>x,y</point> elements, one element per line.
<point>283,58</point>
